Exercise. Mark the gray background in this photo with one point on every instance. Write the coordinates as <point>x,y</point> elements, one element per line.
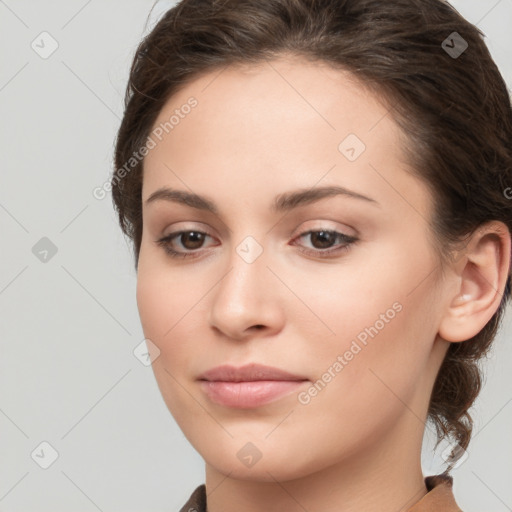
<point>69,325</point>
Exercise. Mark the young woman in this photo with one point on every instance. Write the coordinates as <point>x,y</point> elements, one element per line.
<point>318,196</point>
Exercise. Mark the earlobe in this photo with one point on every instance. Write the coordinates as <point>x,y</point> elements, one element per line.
<point>482,268</point>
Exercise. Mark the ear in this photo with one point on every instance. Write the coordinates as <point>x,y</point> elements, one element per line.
<point>482,267</point>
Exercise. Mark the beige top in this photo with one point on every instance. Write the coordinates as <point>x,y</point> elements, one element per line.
<point>439,497</point>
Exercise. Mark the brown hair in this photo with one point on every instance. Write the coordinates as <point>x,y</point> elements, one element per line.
<point>454,109</point>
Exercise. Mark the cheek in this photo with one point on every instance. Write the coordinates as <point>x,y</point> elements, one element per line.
<point>381,336</point>
<point>153,303</point>
<point>172,308</point>
<point>162,306</point>
<point>164,311</point>
<point>363,388</point>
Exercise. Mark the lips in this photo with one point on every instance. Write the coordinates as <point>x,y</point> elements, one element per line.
<point>249,386</point>
<point>248,373</point>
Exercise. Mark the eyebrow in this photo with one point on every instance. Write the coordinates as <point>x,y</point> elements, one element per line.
<point>282,203</point>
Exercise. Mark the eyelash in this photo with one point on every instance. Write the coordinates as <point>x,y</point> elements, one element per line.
<point>346,239</point>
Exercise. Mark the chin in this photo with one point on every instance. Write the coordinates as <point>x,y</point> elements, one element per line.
<point>261,471</point>
<point>255,462</point>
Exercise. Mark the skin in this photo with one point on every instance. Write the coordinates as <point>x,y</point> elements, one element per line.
<point>259,131</point>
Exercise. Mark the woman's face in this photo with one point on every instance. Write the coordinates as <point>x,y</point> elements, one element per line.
<point>340,290</point>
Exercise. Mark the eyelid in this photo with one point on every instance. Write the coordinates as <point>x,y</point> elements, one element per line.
<point>187,226</point>
<point>324,225</point>
<point>317,225</point>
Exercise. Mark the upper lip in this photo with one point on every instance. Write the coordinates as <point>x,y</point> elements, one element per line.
<point>247,373</point>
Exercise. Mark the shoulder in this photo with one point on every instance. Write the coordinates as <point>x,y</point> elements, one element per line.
<point>439,496</point>
<point>197,501</point>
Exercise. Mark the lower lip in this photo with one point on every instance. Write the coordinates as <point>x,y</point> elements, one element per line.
<point>246,395</point>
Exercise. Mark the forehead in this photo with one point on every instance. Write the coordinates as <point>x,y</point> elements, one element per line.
<point>287,120</point>
<point>286,89</point>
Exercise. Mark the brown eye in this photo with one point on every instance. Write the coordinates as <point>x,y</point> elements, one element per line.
<point>324,243</point>
<point>184,244</point>
<point>322,239</point>
<point>192,239</point>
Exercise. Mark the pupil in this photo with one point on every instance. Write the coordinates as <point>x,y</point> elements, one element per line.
<point>195,238</point>
<point>325,238</point>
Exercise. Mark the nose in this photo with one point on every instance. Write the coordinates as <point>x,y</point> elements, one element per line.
<point>246,300</point>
